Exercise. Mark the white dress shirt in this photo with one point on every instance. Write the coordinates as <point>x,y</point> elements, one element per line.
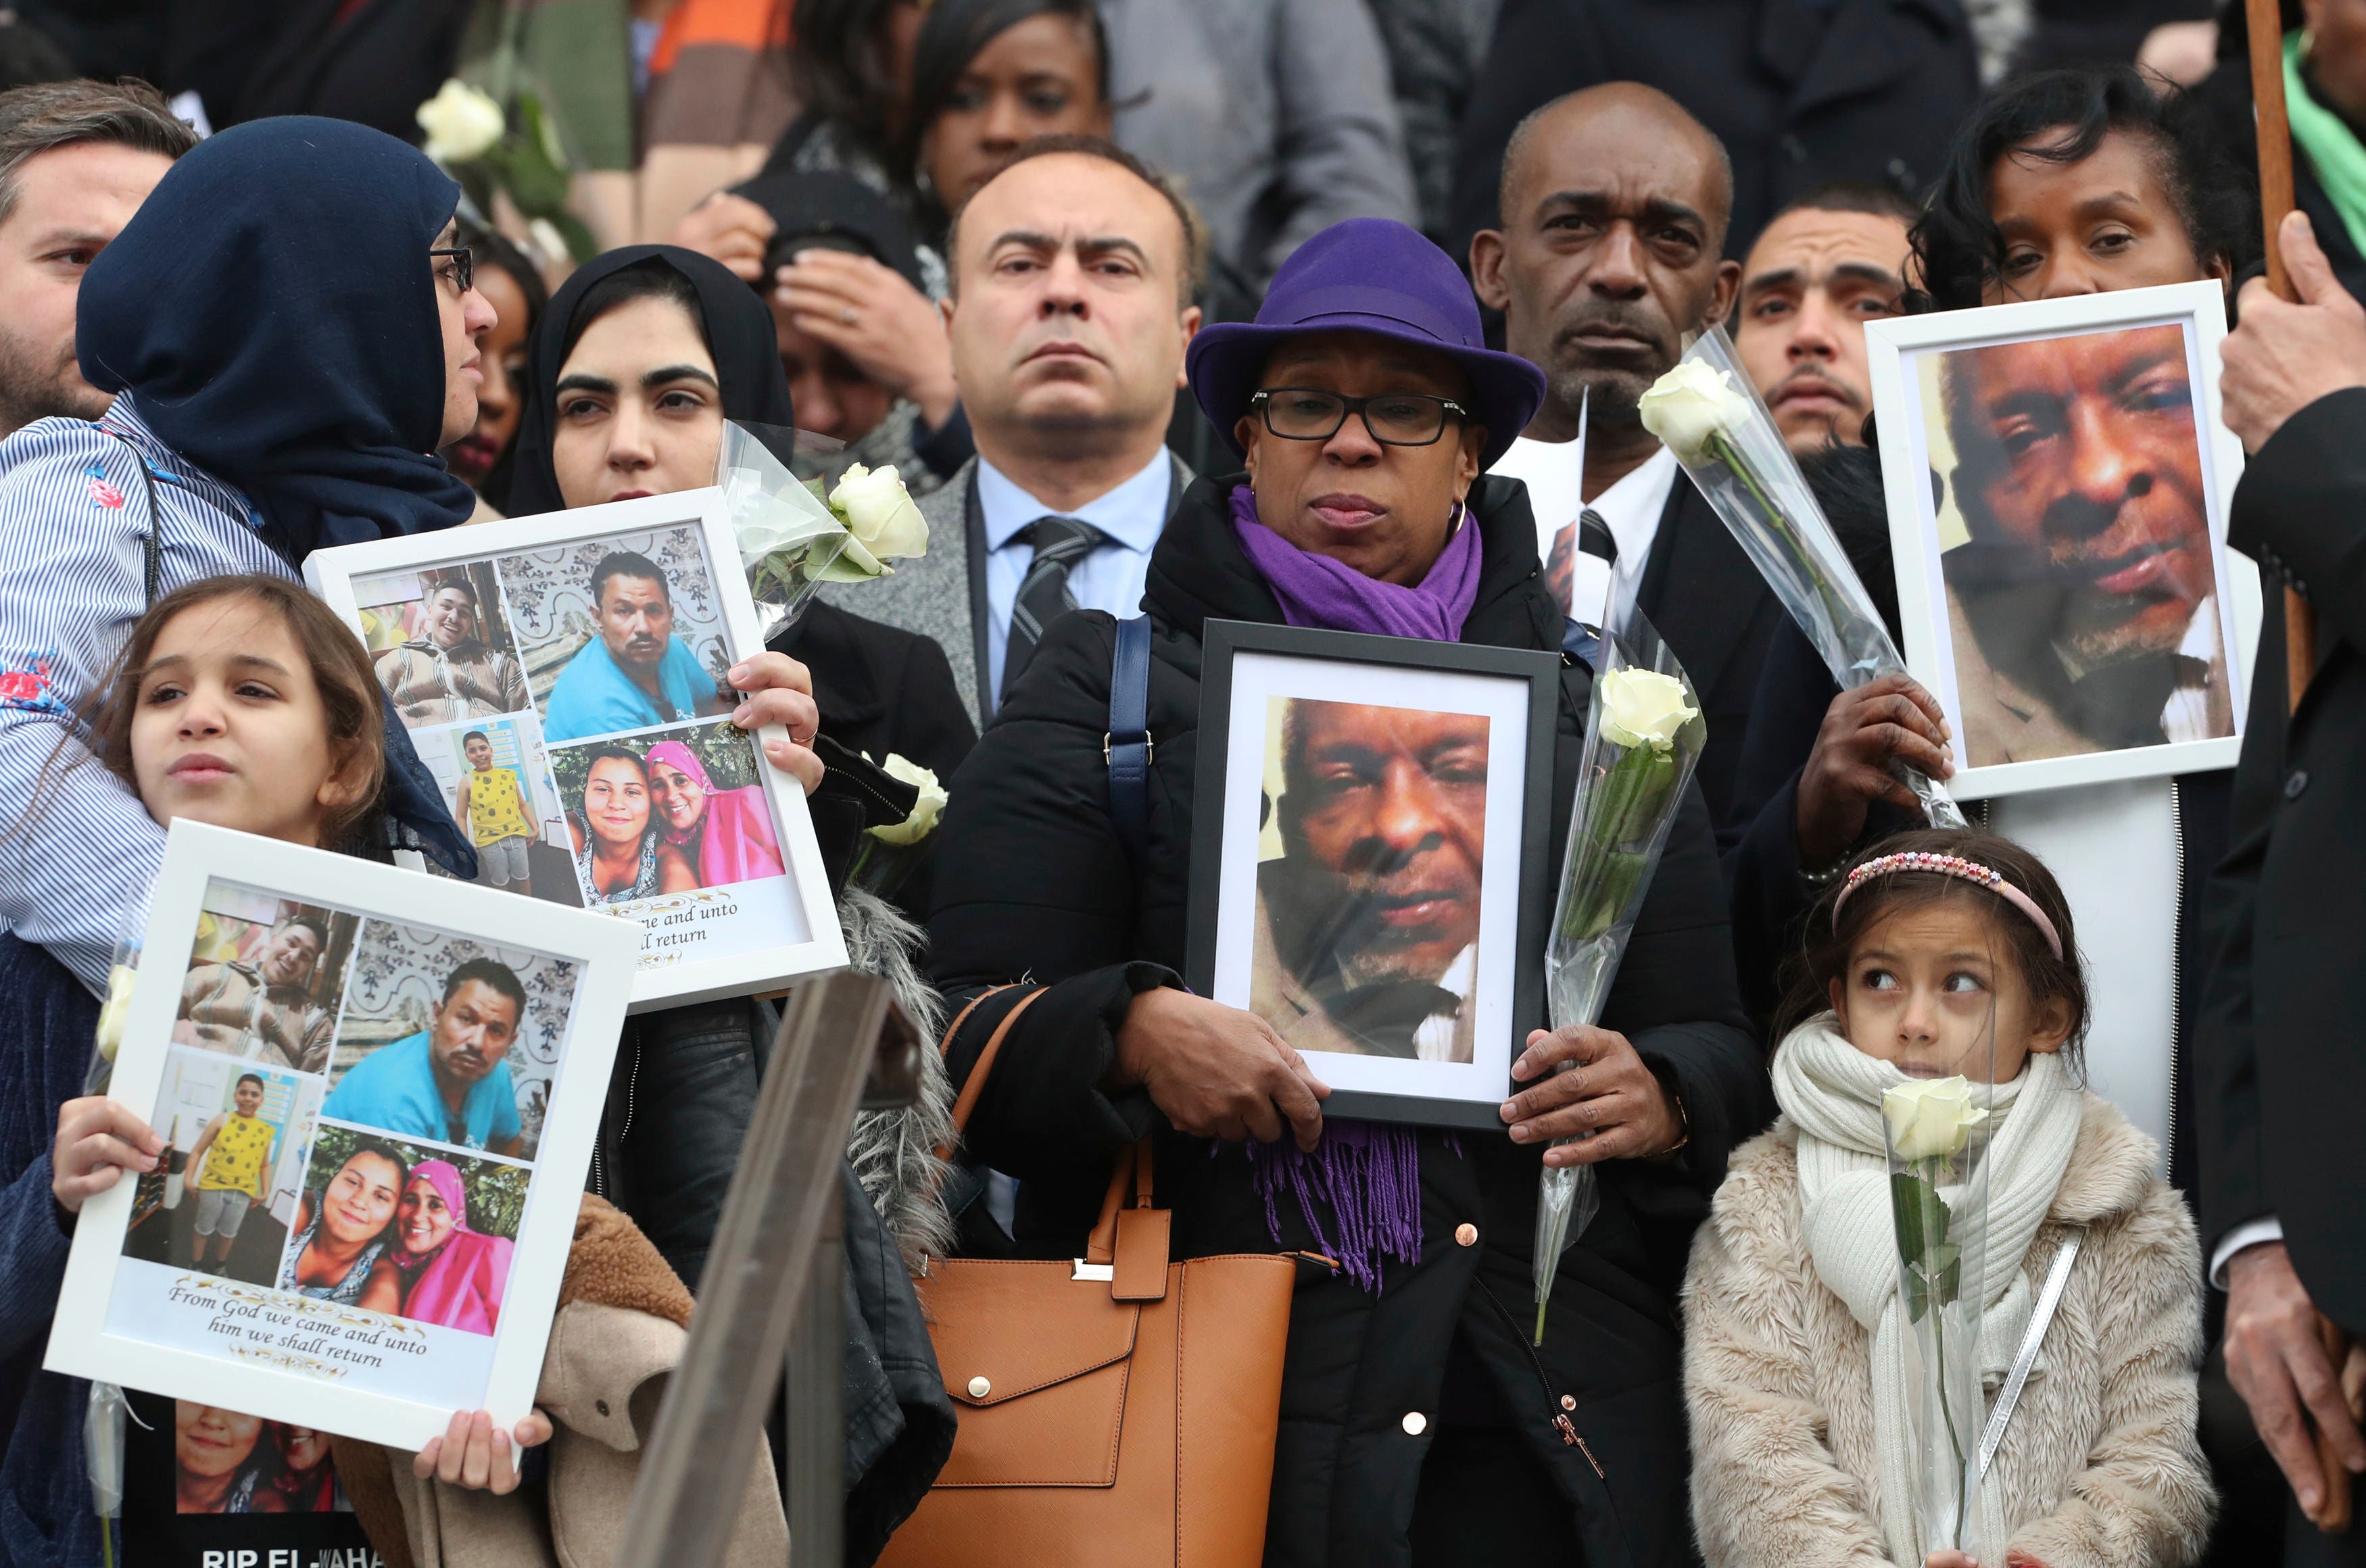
<point>1554,473</point>
<point>1112,574</point>
<point>1438,1036</point>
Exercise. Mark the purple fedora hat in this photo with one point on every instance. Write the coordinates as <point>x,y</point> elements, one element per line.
<point>1367,274</point>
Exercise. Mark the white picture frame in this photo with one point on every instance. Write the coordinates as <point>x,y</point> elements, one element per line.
<point>210,1332</point>
<point>2009,737</point>
<point>775,930</point>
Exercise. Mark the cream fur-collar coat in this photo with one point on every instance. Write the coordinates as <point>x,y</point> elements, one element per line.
<point>2099,1467</point>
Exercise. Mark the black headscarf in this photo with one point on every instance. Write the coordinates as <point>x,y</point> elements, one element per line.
<point>270,310</point>
<point>739,329</point>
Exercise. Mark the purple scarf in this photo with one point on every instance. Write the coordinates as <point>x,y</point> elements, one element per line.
<point>1316,590</point>
<point>1366,1174</point>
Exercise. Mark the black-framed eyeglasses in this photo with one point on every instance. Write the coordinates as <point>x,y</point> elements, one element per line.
<point>462,271</point>
<point>1394,418</point>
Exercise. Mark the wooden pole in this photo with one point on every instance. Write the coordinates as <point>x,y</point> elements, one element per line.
<point>2265,21</point>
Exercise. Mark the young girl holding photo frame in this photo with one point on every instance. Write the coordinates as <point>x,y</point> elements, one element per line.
<point>243,703</point>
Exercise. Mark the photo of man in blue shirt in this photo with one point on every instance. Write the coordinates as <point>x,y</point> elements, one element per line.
<point>636,674</point>
<point>449,1083</point>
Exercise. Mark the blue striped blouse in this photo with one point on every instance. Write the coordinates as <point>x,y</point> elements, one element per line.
<point>78,852</point>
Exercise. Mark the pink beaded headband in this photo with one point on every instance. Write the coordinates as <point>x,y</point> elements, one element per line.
<point>1952,866</point>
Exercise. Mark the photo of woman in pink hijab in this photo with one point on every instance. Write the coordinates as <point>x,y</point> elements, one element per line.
<point>439,1271</point>
<point>725,834</point>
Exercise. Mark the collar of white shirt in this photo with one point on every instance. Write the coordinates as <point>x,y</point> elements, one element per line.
<point>1131,514</point>
<point>1632,507</point>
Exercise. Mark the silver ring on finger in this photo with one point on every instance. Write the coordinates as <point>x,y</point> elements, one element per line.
<point>846,315</point>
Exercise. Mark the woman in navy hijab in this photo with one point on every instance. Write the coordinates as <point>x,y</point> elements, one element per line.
<point>274,315</point>
<point>287,352</point>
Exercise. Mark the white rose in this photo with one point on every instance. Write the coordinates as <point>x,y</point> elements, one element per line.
<point>1930,1117</point>
<point>1692,403</point>
<point>461,123</point>
<point>925,812</point>
<point>111,1015</point>
<point>1643,707</point>
<point>880,513</point>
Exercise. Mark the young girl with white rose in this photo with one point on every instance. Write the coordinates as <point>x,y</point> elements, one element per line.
<point>1942,954</point>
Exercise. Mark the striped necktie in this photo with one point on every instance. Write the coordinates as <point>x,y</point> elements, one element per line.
<point>1060,542</point>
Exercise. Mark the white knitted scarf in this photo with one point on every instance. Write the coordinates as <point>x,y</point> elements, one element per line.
<point>1831,1091</point>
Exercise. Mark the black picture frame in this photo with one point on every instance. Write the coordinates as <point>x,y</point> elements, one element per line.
<point>1539,672</point>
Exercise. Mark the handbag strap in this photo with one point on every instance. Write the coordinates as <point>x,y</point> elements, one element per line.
<point>1126,747</point>
<point>1132,1172</point>
<point>974,1085</point>
<point>2049,1296</point>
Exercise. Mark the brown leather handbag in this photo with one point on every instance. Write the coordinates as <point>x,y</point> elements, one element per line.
<point>1117,1410</point>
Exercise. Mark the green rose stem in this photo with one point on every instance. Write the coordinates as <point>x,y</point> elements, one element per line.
<point>1923,1222</point>
<point>1603,877</point>
<point>1942,1298</point>
<point>1947,1418</point>
<point>1721,447</point>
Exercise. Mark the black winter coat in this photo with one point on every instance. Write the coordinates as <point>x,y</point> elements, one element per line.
<point>2224,97</point>
<point>2282,1074</point>
<point>1033,885</point>
<point>883,690</point>
<point>1800,91</point>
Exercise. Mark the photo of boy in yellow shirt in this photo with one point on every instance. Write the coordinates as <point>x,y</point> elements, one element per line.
<point>230,1158</point>
<point>491,806</point>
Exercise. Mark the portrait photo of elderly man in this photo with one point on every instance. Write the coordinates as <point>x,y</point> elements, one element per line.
<point>1367,922</point>
<point>2084,604</point>
<point>450,671</point>
<point>635,672</point>
<point>265,1008</point>
<point>450,1081</point>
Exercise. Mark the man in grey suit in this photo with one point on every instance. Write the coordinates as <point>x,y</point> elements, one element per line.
<point>1073,274</point>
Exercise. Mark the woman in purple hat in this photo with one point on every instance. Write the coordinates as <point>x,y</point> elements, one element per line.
<point>1417,1427</point>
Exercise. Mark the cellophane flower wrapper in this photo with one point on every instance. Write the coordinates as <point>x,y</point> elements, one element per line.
<point>1629,792</point>
<point>790,541</point>
<point>1746,472</point>
<point>120,972</point>
<point>102,1430</point>
<point>1939,1205</point>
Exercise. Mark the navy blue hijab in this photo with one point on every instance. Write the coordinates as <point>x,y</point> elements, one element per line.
<point>270,310</point>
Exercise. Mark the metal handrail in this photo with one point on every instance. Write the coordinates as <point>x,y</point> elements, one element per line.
<point>782,1212</point>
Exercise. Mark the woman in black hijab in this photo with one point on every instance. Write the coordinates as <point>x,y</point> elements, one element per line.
<point>642,357</point>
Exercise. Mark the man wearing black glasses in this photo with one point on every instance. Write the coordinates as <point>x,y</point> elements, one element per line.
<point>1610,257</point>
